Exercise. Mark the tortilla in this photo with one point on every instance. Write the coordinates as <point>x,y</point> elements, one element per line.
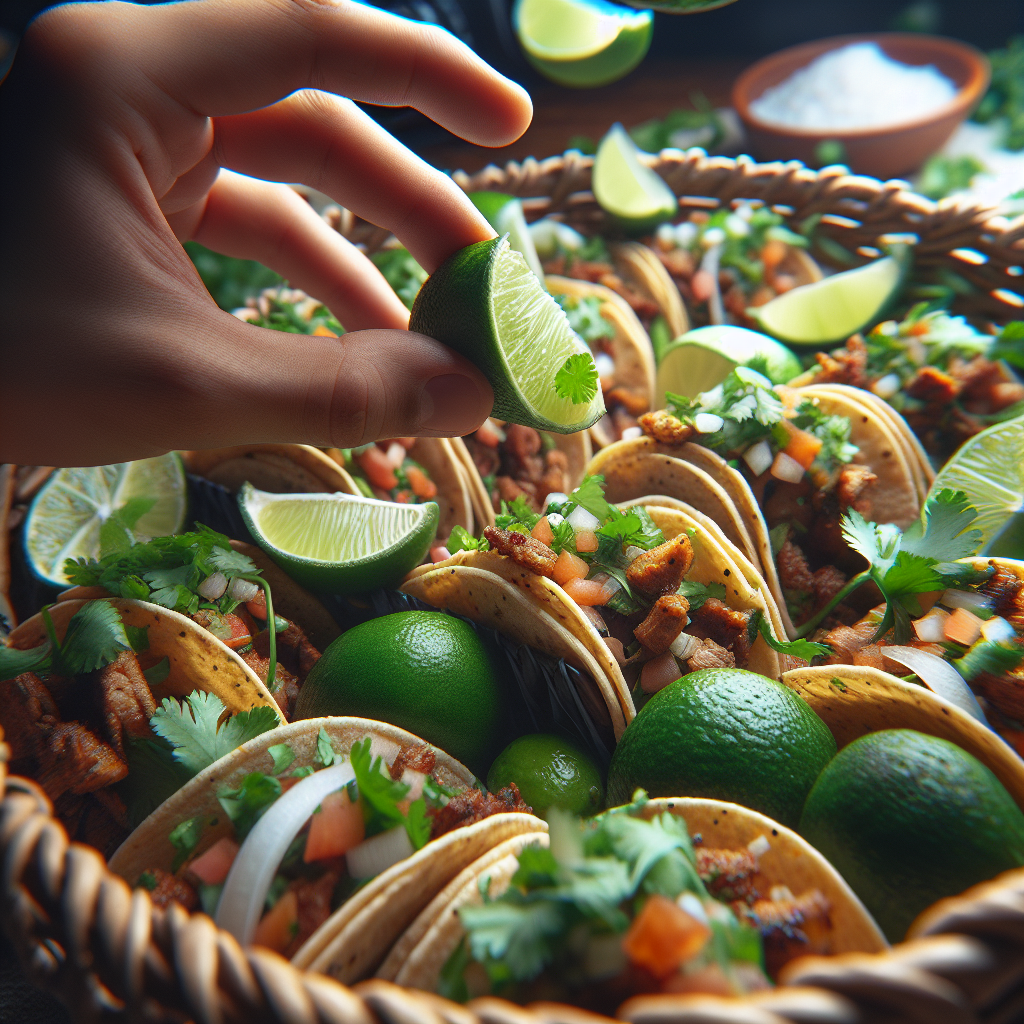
<point>278,468</point>
<point>454,497</point>
<point>641,267</point>
<point>197,660</point>
<point>855,700</point>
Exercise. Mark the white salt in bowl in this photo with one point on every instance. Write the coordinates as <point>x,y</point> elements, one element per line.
<point>888,151</point>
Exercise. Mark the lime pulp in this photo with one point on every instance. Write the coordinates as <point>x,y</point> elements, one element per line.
<point>627,188</point>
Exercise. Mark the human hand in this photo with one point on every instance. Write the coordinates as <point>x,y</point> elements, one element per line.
<point>116,120</point>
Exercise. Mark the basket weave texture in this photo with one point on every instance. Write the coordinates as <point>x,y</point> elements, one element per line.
<point>110,955</point>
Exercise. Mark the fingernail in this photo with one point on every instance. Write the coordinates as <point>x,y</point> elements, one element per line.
<point>450,403</point>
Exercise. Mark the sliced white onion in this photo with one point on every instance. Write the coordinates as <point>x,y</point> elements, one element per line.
<point>414,780</point>
<point>580,519</point>
<point>633,552</point>
<point>632,433</point>
<point>887,386</point>
<point>213,587</point>
<point>969,599</point>
<point>554,518</point>
<point>938,676</point>
<point>759,847</point>
<point>248,882</point>
<point>242,590</point>
<point>707,423</point>
<point>384,748</point>
<point>931,628</point>
<point>684,646</point>
<point>395,454</point>
<point>997,630</point>
<point>758,457</point>
<point>605,365</point>
<point>709,263</point>
<point>372,856</point>
<point>787,468</point>
<point>611,585</point>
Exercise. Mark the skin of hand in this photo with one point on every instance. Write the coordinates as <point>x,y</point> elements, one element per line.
<point>128,129</point>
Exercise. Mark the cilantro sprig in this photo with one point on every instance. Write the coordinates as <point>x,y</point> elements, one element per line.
<point>382,797</point>
<point>584,316</point>
<point>577,379</point>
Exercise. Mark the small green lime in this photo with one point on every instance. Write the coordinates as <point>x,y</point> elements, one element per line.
<point>907,819</point>
<point>727,734</point>
<point>625,187</point>
<point>423,671</point>
<point>550,772</point>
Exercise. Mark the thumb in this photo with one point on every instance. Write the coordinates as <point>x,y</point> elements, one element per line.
<point>347,391</point>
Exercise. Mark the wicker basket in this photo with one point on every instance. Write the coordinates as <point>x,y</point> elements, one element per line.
<point>81,933</point>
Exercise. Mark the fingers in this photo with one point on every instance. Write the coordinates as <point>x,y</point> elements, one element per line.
<point>330,144</point>
<point>260,221</point>
<point>229,56</point>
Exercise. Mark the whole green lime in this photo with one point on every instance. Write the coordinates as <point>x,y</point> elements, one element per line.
<point>550,772</point>
<point>907,819</point>
<point>726,734</point>
<point>423,671</point>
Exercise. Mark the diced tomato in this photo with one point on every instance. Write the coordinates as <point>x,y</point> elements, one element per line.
<point>212,867</point>
<point>422,486</point>
<point>490,434</point>
<point>279,925</point>
<point>374,463</point>
<point>241,634</point>
<point>257,607</point>
<point>963,627</point>
<point>663,936</point>
<point>772,254</point>
<point>335,829</point>
<point>702,285</point>
<point>586,541</point>
<point>404,497</point>
<point>568,567</point>
<point>802,447</point>
<point>323,332</point>
<point>542,531</point>
<point>919,329</point>
<point>439,553</point>
<point>586,592</point>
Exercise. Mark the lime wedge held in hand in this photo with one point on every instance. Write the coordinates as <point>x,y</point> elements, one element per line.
<point>486,303</point>
<point>701,359</point>
<point>68,515</point>
<point>505,214</point>
<point>627,188</point>
<point>339,543</point>
<point>989,469</point>
<point>582,43</point>
<point>832,309</point>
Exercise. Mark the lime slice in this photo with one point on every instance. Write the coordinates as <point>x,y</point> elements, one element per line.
<point>486,303</point>
<point>989,469</point>
<point>701,359</point>
<point>505,214</point>
<point>339,543</point>
<point>582,43</point>
<point>66,517</point>
<point>628,189</point>
<point>832,309</point>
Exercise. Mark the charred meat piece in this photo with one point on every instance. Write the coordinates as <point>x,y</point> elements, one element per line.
<point>846,641</point>
<point>77,761</point>
<point>313,897</point>
<point>1005,693</point>
<point>522,442</point>
<point>169,889</point>
<point>125,699</point>
<point>664,622</point>
<point>844,365</point>
<point>710,655</point>
<point>418,759</point>
<point>665,428</point>
<point>285,686</point>
<point>523,549</point>
<point>509,490</point>
<point>790,927</point>
<point>828,581</point>
<point>932,385</point>
<point>27,715</point>
<point>728,874</point>
<point>661,570</point>
<point>794,571</point>
<point>293,647</point>
<point>471,805</point>
<point>715,620</point>
<point>853,481</point>
<point>1007,594</point>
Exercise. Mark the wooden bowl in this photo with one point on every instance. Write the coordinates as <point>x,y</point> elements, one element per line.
<point>886,152</point>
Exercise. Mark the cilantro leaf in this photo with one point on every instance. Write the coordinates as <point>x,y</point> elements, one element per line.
<point>944,531</point>
<point>697,593</point>
<point>153,776</point>
<point>910,575</point>
<point>590,495</point>
<point>245,805</point>
<point>95,637</point>
<point>563,537</point>
<point>461,539</point>
<point>231,562</point>
<point>989,656</point>
<point>14,662</point>
<point>184,838</point>
<point>381,795</point>
<point>282,755</point>
<point>157,673</point>
<point>517,934</point>
<point>325,755</point>
<point>577,380</point>
<point>877,543</point>
<point>805,649</point>
<point>584,316</point>
<point>138,637</point>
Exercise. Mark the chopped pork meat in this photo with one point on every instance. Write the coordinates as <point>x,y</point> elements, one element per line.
<point>728,874</point>
<point>27,716</point>
<point>1007,593</point>
<point>844,365</point>
<point>932,385</point>
<point>665,428</point>
<point>853,481</point>
<point>77,761</point>
<point>794,572</point>
<point>418,759</point>
<point>524,550</point>
<point>509,490</point>
<point>1005,693</point>
<point>104,824</point>
<point>662,569</point>
<point>293,639</point>
<point>715,620</point>
<point>664,622</point>
<point>790,927</point>
<point>313,897</point>
<point>285,686</point>
<point>471,805</point>
<point>168,889</point>
<point>125,699</point>
<point>632,400</point>
<point>522,442</point>
<point>710,655</point>
<point>828,581</point>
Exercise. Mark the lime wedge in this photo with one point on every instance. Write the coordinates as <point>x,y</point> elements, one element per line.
<point>66,517</point>
<point>628,189</point>
<point>505,214</point>
<point>339,543</point>
<point>582,43</point>
<point>989,469</point>
<point>701,359</point>
<point>832,309</point>
<point>487,304</point>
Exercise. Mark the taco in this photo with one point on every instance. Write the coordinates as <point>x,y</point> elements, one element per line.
<point>78,706</point>
<point>279,468</point>
<point>696,896</point>
<point>321,840</point>
<point>945,379</point>
<point>622,352</point>
<point>782,462</point>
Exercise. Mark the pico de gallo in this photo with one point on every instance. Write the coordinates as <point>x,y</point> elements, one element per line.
<point>383,469</point>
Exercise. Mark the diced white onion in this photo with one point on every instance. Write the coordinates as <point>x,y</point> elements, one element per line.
<point>414,780</point>
<point>683,646</point>
<point>707,423</point>
<point>581,519</point>
<point>554,518</point>
<point>759,847</point>
<point>248,882</point>
<point>395,454</point>
<point>931,627</point>
<point>666,233</point>
<point>787,469</point>
<point>969,599</point>
<point>605,365</point>
<point>372,856</point>
<point>887,386</point>
<point>384,748</point>
<point>693,906</point>
<point>938,676</point>
<point>780,892</point>
<point>713,236</point>
<point>242,590</point>
<point>758,457</point>
<point>736,227</point>
<point>997,630</point>
<point>658,673</point>
<point>213,587</point>
<point>632,433</point>
<point>686,234</point>
<point>633,552</point>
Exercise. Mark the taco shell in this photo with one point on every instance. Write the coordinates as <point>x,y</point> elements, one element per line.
<point>278,468</point>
